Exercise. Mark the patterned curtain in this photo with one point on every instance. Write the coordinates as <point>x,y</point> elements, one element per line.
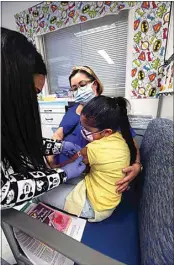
<point>151,22</point>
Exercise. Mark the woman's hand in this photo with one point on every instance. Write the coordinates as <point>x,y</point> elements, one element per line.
<point>69,149</point>
<point>74,169</point>
<point>131,173</point>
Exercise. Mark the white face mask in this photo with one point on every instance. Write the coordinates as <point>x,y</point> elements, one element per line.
<point>84,94</point>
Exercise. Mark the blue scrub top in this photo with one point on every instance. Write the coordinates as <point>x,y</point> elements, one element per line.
<point>72,130</point>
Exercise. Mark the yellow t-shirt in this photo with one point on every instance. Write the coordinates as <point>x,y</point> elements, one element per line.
<point>107,158</point>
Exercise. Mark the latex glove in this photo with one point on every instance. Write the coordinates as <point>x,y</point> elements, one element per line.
<point>131,173</point>
<point>74,169</point>
<point>69,149</point>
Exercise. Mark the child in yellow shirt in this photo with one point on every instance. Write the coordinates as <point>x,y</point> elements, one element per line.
<point>105,124</point>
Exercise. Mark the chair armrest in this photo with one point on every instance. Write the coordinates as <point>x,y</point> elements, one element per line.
<point>67,246</point>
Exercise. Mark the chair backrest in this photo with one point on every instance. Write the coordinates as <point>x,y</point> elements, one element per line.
<point>139,135</point>
<point>157,198</point>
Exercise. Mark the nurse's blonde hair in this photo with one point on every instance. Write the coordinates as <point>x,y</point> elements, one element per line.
<point>90,73</point>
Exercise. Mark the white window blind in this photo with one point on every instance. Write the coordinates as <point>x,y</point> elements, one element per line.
<point>100,44</point>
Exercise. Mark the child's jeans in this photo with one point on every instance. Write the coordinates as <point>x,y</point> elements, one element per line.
<point>57,198</point>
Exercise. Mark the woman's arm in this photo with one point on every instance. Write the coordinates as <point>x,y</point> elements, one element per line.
<point>17,188</point>
<point>138,152</point>
<point>69,122</point>
<point>58,135</point>
<point>51,146</point>
<point>54,147</point>
<point>131,172</point>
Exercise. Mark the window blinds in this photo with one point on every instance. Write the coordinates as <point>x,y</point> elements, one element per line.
<point>100,44</point>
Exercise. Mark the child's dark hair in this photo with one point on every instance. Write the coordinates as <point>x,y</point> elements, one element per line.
<point>110,113</point>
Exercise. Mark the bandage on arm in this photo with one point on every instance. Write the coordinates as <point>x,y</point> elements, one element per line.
<point>82,152</point>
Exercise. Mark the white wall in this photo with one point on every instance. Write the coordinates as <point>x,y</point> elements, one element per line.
<point>9,9</point>
<point>139,106</point>
<point>167,107</point>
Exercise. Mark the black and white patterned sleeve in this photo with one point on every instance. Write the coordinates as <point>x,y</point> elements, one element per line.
<point>51,147</point>
<point>17,188</point>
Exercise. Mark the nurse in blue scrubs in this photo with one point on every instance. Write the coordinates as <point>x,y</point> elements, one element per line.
<point>85,85</point>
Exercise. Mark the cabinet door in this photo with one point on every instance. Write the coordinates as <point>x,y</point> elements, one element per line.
<point>51,118</point>
<point>49,130</point>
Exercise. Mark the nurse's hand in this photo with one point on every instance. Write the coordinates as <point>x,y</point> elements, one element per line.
<point>74,169</point>
<point>69,149</point>
<point>131,173</point>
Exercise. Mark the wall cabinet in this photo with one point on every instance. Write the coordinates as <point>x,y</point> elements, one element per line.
<point>51,114</point>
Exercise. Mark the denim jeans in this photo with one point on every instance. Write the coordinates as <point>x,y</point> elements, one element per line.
<point>57,198</point>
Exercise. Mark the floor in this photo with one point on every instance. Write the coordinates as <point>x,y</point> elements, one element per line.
<point>5,251</point>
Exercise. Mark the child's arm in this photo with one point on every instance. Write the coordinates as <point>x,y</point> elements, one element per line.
<point>82,152</point>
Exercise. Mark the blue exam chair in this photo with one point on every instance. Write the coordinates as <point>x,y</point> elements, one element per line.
<point>140,231</point>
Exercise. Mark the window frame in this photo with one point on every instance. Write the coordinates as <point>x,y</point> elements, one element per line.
<point>41,48</point>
